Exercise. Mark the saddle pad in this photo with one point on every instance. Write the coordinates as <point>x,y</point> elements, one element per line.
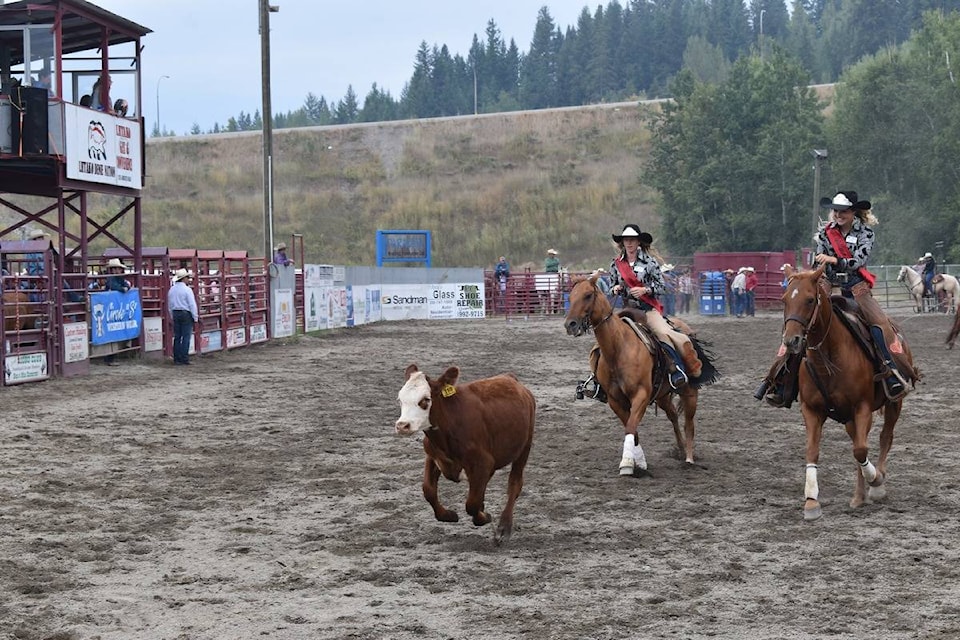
<point>848,312</point>
<point>643,332</point>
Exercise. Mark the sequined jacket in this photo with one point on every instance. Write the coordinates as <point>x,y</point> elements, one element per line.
<point>859,241</point>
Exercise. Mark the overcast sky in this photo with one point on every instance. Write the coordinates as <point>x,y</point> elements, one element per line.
<point>210,49</point>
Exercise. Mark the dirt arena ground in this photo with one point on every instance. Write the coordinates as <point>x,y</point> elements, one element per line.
<point>262,493</point>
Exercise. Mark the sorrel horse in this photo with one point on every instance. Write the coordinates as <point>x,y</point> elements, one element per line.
<point>626,370</point>
<point>18,311</point>
<point>837,381</point>
<point>954,332</point>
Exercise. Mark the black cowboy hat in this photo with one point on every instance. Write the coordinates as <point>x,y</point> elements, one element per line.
<point>845,200</point>
<point>633,230</point>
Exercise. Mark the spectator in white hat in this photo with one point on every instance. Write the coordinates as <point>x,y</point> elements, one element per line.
<point>280,255</point>
<point>552,263</point>
<point>183,307</point>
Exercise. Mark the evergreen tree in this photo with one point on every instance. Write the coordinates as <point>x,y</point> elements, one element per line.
<point>538,75</point>
<point>378,106</point>
<point>801,37</point>
<point>417,97</point>
<point>731,160</point>
<point>347,109</point>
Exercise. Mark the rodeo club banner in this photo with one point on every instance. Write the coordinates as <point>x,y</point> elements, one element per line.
<point>115,316</point>
<point>102,148</point>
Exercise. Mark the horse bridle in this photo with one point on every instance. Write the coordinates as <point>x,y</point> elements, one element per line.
<point>584,322</point>
<point>808,323</point>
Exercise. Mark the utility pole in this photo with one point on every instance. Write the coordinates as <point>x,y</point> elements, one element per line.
<point>818,156</point>
<point>267,117</point>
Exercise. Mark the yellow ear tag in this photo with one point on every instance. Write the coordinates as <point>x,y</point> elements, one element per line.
<point>447,390</point>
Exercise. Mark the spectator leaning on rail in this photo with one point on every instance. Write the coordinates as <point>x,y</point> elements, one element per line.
<point>552,263</point>
<point>115,282</point>
<point>635,275</point>
<point>280,255</point>
<point>183,307</point>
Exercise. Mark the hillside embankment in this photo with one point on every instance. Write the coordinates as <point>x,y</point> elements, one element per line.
<point>513,184</point>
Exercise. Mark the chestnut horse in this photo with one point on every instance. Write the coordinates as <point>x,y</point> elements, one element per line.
<point>837,381</point>
<point>18,311</point>
<point>625,370</point>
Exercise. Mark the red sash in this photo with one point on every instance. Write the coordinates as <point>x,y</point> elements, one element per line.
<point>843,251</point>
<point>630,279</point>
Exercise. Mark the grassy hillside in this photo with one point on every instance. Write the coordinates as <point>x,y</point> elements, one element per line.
<point>512,184</point>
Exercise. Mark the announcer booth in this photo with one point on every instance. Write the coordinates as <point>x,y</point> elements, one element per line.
<point>55,151</point>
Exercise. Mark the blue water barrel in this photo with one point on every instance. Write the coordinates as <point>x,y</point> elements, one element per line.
<point>713,288</point>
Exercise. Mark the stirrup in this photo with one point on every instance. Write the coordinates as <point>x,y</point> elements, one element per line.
<point>776,400</point>
<point>895,386</point>
<point>678,378</point>
<point>597,392</point>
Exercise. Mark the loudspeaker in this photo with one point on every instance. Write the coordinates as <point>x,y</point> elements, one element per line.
<point>28,121</point>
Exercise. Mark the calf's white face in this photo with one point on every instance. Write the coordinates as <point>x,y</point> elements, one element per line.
<point>414,400</point>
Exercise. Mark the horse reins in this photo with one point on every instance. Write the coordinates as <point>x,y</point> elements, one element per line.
<point>807,325</point>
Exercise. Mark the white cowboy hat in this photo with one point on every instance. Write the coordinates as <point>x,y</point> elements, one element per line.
<point>115,263</point>
<point>666,267</point>
<point>37,234</point>
<point>552,252</point>
<point>741,269</point>
<point>282,245</point>
<point>749,269</point>
<point>784,266</point>
<point>927,255</point>
<point>180,275</point>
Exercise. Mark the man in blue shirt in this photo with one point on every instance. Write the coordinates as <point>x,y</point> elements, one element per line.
<point>183,307</point>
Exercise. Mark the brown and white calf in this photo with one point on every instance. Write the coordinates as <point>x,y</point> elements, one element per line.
<point>470,429</point>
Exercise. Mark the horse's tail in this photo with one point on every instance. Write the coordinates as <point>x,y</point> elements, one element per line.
<point>709,372</point>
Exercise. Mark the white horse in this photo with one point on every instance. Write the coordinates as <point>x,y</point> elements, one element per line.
<point>914,284</point>
<point>950,287</point>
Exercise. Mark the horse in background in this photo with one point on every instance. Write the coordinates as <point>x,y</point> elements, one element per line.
<point>838,381</point>
<point>947,288</point>
<point>18,312</point>
<point>914,283</point>
<point>628,372</point>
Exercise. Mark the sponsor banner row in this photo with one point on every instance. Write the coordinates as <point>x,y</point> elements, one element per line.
<point>330,307</point>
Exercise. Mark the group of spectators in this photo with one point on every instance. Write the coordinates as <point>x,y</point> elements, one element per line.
<point>741,290</point>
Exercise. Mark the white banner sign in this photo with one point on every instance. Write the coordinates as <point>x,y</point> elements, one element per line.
<point>101,147</point>
<point>76,342</point>
<point>26,368</point>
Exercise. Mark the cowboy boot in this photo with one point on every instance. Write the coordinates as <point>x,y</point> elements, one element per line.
<point>690,360</point>
<point>894,384</point>
<point>677,376</point>
<point>785,387</point>
<point>762,390</point>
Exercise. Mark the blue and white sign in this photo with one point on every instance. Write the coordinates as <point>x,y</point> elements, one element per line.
<point>115,316</point>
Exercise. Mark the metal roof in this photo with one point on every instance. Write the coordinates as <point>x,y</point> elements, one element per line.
<point>82,26</point>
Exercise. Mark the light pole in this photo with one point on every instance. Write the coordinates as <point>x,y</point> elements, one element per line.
<point>159,126</point>
<point>265,10</point>
<point>761,34</point>
<point>818,156</point>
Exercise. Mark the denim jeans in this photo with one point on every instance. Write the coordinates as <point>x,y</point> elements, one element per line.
<point>182,328</point>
